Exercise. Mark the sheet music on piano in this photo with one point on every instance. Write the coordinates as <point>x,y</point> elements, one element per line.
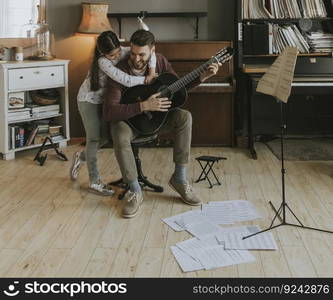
<point>279,77</point>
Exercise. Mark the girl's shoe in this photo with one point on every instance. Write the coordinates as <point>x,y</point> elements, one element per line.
<point>101,188</point>
<point>76,165</point>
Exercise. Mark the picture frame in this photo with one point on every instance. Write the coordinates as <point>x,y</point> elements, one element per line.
<point>16,100</point>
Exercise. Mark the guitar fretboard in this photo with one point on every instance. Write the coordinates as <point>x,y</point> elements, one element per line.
<point>190,77</point>
<point>223,56</point>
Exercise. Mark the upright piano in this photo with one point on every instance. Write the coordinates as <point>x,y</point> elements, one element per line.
<point>309,110</point>
<point>211,103</point>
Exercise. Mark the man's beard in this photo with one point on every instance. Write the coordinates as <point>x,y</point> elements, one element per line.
<point>141,64</point>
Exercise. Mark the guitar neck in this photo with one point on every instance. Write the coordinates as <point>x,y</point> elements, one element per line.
<point>190,77</point>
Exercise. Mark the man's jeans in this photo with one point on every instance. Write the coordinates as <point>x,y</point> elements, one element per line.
<point>178,123</point>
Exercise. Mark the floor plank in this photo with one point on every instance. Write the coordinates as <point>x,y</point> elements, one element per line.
<point>51,227</point>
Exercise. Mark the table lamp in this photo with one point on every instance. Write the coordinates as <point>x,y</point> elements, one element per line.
<point>94,18</point>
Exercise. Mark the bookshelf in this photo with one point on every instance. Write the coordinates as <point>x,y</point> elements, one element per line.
<point>309,108</point>
<point>34,119</point>
<point>324,23</point>
<point>19,79</point>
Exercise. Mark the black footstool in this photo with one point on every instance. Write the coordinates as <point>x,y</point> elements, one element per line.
<point>208,167</point>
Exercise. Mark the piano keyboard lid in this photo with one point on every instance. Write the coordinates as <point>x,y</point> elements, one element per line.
<point>314,67</point>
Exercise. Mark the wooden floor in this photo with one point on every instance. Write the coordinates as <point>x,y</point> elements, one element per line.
<point>51,227</point>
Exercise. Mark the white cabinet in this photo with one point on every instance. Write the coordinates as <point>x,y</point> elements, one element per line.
<point>35,78</point>
<point>27,76</point>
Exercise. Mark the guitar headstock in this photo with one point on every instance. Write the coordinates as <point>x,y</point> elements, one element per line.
<point>224,55</point>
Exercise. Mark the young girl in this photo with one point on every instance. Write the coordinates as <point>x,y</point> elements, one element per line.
<point>108,53</point>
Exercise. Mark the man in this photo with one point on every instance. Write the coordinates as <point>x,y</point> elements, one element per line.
<point>178,121</point>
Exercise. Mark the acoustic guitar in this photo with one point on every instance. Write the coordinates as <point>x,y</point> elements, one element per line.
<point>170,86</point>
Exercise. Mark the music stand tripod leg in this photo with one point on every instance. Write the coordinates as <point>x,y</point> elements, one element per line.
<point>41,160</point>
<point>284,204</point>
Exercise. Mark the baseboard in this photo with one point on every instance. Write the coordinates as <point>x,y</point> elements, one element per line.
<point>76,140</point>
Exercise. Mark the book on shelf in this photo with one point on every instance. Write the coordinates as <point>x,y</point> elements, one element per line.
<point>33,111</point>
<point>18,114</point>
<point>37,131</point>
<point>45,114</point>
<point>40,137</point>
<point>39,108</point>
<point>271,38</point>
<point>32,133</point>
<point>282,9</point>
<point>256,39</point>
<point>57,138</point>
<point>15,137</point>
<point>320,41</point>
<point>55,129</point>
<point>43,128</point>
<point>40,111</point>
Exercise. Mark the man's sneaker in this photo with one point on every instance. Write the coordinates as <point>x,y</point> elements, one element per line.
<point>76,165</point>
<point>132,205</point>
<point>185,191</point>
<point>101,188</point>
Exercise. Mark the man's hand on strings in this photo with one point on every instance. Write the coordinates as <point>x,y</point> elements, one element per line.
<point>211,71</point>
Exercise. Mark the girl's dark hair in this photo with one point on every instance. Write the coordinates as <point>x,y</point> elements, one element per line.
<point>106,42</point>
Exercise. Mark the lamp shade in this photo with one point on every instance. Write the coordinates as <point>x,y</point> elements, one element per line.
<point>94,18</point>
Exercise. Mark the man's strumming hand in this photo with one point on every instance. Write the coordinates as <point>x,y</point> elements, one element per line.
<point>154,103</point>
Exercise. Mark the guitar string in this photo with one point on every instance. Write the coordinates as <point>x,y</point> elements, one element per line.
<point>177,85</point>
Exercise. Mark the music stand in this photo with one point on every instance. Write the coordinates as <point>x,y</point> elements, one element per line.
<point>42,158</point>
<point>280,74</point>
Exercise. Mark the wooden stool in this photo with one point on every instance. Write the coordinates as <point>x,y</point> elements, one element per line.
<point>210,160</point>
<point>143,180</point>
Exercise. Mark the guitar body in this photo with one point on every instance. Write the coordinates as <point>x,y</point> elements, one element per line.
<point>171,87</point>
<point>149,123</point>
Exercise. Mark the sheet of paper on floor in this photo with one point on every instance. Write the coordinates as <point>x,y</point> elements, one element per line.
<point>262,241</point>
<point>228,212</point>
<point>246,230</point>
<point>205,250</point>
<point>186,262</point>
<point>189,219</point>
<point>171,221</point>
<point>194,246</point>
<point>203,229</point>
<point>241,207</point>
<point>217,256</point>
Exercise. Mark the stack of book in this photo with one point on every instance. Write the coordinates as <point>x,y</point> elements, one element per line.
<point>39,111</point>
<point>55,133</point>
<point>320,41</point>
<point>42,131</point>
<point>280,9</point>
<point>18,114</point>
<point>37,131</point>
<point>288,35</point>
<point>271,38</point>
